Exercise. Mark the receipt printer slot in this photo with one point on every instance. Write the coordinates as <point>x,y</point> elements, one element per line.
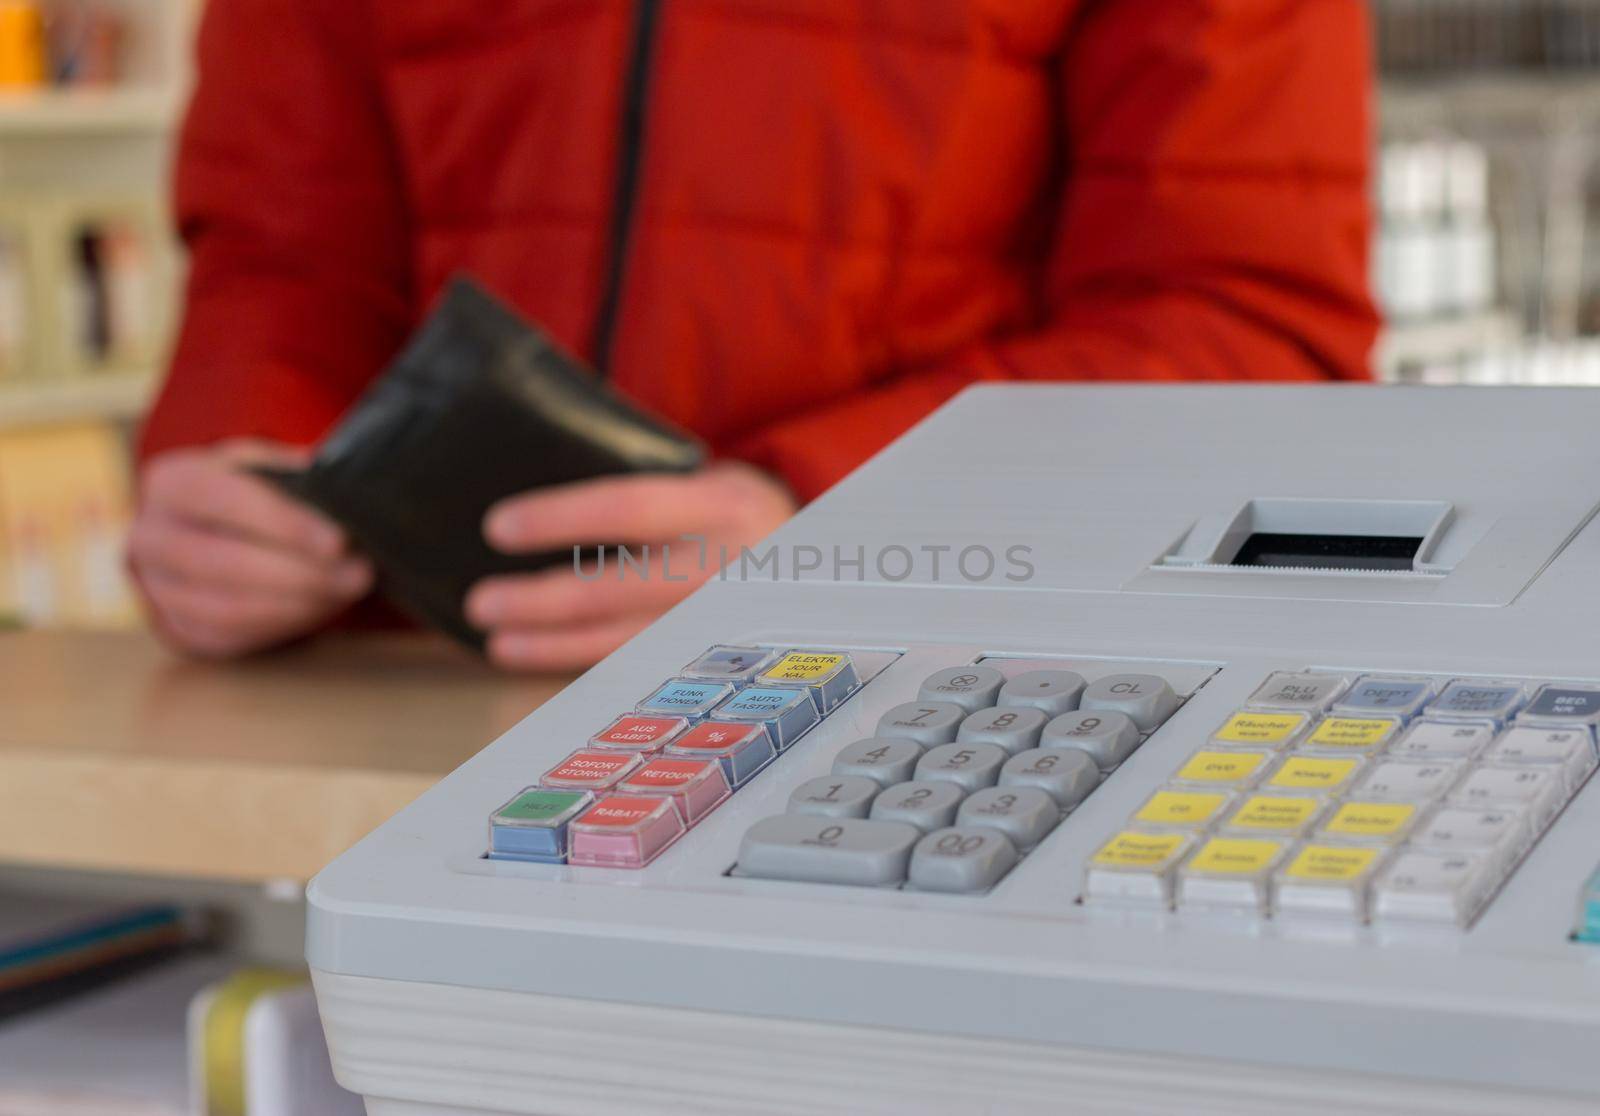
<point>1374,536</point>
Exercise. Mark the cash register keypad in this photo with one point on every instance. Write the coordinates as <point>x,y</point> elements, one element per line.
<point>1370,798</point>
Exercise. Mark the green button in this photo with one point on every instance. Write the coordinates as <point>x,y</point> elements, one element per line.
<point>540,806</point>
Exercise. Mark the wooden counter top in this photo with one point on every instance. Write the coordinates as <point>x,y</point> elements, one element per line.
<point>115,755</point>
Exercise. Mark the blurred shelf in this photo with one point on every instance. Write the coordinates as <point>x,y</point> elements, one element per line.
<point>1504,97</point>
<point>103,395</point>
<point>54,112</point>
<point>1442,339</point>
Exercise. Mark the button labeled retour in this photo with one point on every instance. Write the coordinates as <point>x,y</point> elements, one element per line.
<point>695,787</point>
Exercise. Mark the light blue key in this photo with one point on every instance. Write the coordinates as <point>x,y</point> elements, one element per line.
<point>787,714</point>
<point>1385,695</point>
<point>1588,927</point>
<point>1467,699</point>
<point>680,698</point>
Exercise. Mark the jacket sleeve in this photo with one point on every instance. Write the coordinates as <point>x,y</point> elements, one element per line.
<point>1213,224</point>
<point>289,200</point>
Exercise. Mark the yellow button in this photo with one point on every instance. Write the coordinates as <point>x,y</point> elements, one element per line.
<point>1305,772</point>
<point>1330,862</point>
<point>1132,849</point>
<point>1221,767</point>
<point>1275,813</point>
<point>1180,808</point>
<point>1232,856</point>
<point>1370,819</point>
<point>1352,732</point>
<point>1245,727</point>
<point>802,666</point>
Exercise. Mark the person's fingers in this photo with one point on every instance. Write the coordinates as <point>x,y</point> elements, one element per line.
<point>184,552</point>
<point>561,597</point>
<point>610,509</point>
<point>565,648</point>
<point>212,622</point>
<point>199,487</point>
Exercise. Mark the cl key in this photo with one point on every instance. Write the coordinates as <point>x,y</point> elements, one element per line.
<point>1145,699</point>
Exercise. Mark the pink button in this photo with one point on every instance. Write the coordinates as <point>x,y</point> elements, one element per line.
<point>632,733</point>
<point>696,787</point>
<point>623,831</point>
<point>590,771</point>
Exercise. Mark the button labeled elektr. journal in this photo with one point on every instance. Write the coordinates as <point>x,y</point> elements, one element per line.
<point>827,676</point>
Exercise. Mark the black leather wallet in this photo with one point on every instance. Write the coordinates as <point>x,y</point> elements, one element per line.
<point>478,406</point>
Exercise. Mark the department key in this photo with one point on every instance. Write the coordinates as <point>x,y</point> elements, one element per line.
<point>828,850</point>
<point>961,858</point>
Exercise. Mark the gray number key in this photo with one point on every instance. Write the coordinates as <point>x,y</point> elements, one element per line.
<point>1145,699</point>
<point>1016,729</point>
<point>827,850</point>
<point>1052,692</point>
<point>1024,814</point>
<point>925,804</point>
<point>883,759</point>
<point>1065,774</point>
<point>1109,737</point>
<point>834,796</point>
<point>962,858</point>
<point>971,687</point>
<point>926,722</point>
<point>969,766</point>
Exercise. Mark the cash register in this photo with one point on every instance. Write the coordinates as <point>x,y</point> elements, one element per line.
<point>1090,749</point>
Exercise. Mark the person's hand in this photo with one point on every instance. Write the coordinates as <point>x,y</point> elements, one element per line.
<point>558,620</point>
<point>229,565</point>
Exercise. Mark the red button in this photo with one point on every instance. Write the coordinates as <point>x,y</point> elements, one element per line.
<point>638,734</point>
<point>696,787</point>
<point>594,771</point>
<point>623,831</point>
<point>715,736</point>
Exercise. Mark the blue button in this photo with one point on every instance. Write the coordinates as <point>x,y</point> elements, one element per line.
<point>678,698</point>
<point>786,713</point>
<point>1394,697</point>
<point>533,825</point>
<point>1466,699</point>
<point>1588,928</point>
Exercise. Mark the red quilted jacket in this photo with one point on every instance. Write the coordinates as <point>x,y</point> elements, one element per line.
<point>795,226</point>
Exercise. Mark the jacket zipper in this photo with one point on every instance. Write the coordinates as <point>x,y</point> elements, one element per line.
<point>625,195</point>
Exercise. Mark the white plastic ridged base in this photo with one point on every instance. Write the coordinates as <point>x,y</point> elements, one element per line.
<point>415,1049</point>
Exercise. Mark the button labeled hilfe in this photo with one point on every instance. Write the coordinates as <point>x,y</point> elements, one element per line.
<point>533,825</point>
<point>1137,866</point>
<point>1230,872</point>
<point>1318,773</point>
<point>1052,692</point>
<point>1109,738</point>
<point>623,831</point>
<point>1351,734</point>
<point>1385,694</point>
<point>632,733</point>
<point>1359,820</point>
<point>1275,815</point>
<point>1298,692</point>
<point>725,663</point>
<point>1257,729</point>
<point>1015,729</point>
<point>787,714</point>
<point>1472,700</point>
<point>1443,741</point>
<point>971,687</point>
<point>827,676</point>
<point>1145,699</point>
<point>827,850</point>
<point>590,770</point>
<point>834,796</point>
<point>1327,879</point>
<point>742,750</point>
<point>1181,809</point>
<point>695,786</point>
<point>1558,704</point>
<point>1216,768</point>
<point>691,700</point>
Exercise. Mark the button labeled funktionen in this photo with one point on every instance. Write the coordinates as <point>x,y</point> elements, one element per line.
<point>1230,872</point>
<point>1052,692</point>
<point>724,663</point>
<point>1330,775</point>
<point>828,676</point>
<point>1275,815</point>
<point>834,796</point>
<point>1443,741</point>
<point>1065,774</point>
<point>695,786</point>
<point>787,714</point>
<point>1352,734</point>
<point>1537,790</point>
<point>1558,704</point>
<point>961,859</point>
<point>1402,781</point>
<point>1024,814</point>
<point>590,770</point>
<point>1253,728</point>
<point>927,722</point>
<point>678,698</point>
<point>741,750</point>
<point>1501,834</point>
<point>883,759</point>
<point>623,831</point>
<point>920,803</point>
<point>969,766</point>
<point>1181,809</point>
<point>1015,729</point>
<point>631,733</point>
<point>1328,879</point>
<point>1304,692</point>
<point>971,687</point>
<point>1108,738</point>
<point>1387,695</point>
<point>1382,822</point>
<point>1434,887</point>
<point>1145,699</point>
<point>1469,699</point>
<point>1216,768</point>
<point>1570,751</point>
<point>1135,865</point>
<point>533,825</point>
<point>828,850</point>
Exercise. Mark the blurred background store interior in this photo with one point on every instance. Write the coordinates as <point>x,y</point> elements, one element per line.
<point>1485,183</point>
